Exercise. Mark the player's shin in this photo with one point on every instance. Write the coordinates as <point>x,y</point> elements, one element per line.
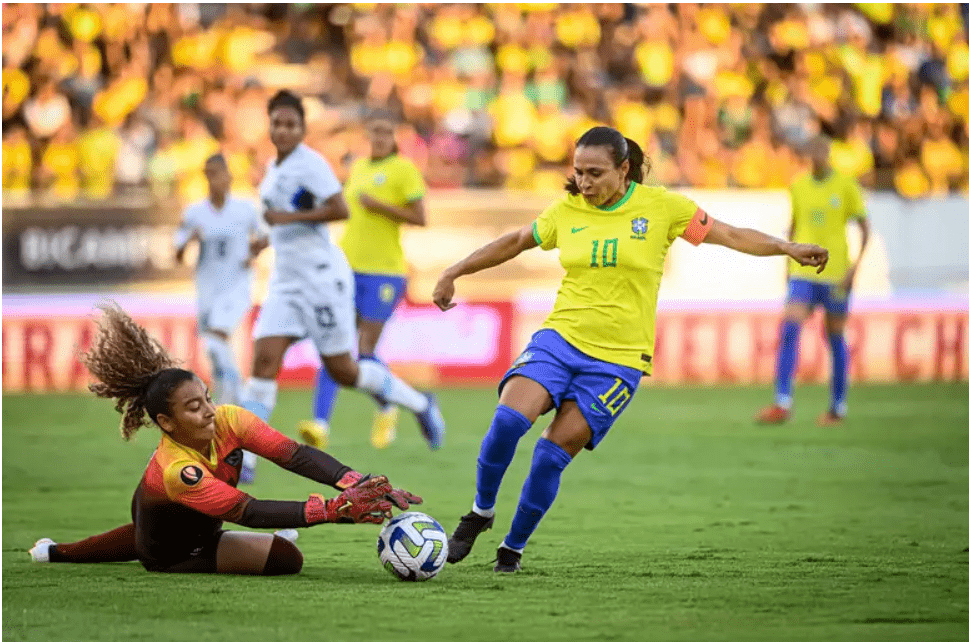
<point>495,455</point>
<point>117,545</point>
<point>539,491</point>
<point>225,372</point>
<point>374,377</point>
<point>837,346</point>
<point>259,397</point>
<point>325,393</point>
<point>786,365</point>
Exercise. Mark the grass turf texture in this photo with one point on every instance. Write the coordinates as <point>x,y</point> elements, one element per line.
<point>687,523</point>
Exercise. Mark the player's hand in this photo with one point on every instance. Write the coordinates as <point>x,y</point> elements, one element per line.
<point>443,293</point>
<point>363,503</point>
<point>274,217</point>
<point>403,499</point>
<point>809,254</point>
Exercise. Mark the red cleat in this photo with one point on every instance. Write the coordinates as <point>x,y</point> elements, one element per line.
<point>829,419</point>
<point>772,415</point>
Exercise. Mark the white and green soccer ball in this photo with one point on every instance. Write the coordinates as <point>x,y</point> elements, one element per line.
<point>413,547</point>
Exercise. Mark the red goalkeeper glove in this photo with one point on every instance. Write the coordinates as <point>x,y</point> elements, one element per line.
<point>363,503</point>
<point>403,499</point>
<point>400,498</point>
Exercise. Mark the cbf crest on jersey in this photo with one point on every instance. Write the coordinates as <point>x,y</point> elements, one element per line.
<point>639,228</point>
<point>380,179</point>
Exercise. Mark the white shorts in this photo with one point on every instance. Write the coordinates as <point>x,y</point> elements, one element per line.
<point>325,313</point>
<point>224,311</point>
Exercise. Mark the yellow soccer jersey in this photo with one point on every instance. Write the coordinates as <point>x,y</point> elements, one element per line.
<point>372,242</point>
<point>820,212</point>
<point>613,258</point>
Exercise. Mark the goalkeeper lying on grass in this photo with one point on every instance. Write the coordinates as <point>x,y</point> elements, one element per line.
<point>189,486</point>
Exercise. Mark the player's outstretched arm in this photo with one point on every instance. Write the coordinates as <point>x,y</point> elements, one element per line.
<point>333,209</point>
<point>303,460</point>
<point>749,241</point>
<point>504,248</point>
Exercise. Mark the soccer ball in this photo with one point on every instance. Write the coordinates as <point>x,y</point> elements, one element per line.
<point>413,547</point>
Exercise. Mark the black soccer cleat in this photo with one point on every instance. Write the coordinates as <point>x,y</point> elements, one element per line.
<point>507,560</point>
<point>470,526</point>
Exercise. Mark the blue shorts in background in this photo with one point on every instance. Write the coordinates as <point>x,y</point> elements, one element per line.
<point>602,390</point>
<point>377,295</point>
<point>813,293</point>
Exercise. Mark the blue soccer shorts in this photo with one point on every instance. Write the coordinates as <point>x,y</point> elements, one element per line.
<point>813,293</point>
<point>377,295</point>
<point>602,390</point>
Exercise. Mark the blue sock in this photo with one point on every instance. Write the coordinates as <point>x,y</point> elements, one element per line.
<point>497,450</point>
<point>539,491</point>
<point>325,393</point>
<point>786,366</point>
<point>837,346</point>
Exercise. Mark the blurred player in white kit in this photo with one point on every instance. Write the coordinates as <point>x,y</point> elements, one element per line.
<point>230,235</point>
<point>311,291</point>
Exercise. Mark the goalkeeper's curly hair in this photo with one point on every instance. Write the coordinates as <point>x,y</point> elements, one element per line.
<point>132,368</point>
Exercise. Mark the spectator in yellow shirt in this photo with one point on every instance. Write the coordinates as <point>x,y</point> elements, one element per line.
<point>852,155</point>
<point>59,164</point>
<point>97,150</point>
<point>17,161</point>
<point>941,158</point>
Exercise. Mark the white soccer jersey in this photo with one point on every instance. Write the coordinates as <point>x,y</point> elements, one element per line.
<point>222,278</point>
<point>302,181</point>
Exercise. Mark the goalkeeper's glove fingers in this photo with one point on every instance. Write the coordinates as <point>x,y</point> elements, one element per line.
<point>403,499</point>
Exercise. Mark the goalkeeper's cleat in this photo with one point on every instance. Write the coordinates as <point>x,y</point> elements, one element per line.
<point>385,426</point>
<point>314,433</point>
<point>829,419</point>
<point>507,560</point>
<point>432,423</point>
<point>289,534</point>
<point>470,526</point>
<point>773,414</point>
<point>41,552</point>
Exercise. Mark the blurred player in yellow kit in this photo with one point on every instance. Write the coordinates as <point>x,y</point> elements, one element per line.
<point>383,191</point>
<point>823,202</point>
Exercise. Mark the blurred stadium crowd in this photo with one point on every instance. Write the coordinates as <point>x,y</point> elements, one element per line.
<point>111,98</point>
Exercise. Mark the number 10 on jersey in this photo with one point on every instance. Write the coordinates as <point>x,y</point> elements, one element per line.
<point>609,256</point>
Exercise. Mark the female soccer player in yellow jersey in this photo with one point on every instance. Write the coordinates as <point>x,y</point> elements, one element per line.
<point>189,486</point>
<point>824,201</point>
<point>383,191</point>
<point>588,358</point>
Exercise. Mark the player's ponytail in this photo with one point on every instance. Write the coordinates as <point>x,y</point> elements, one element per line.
<point>132,368</point>
<point>640,165</point>
<point>621,149</point>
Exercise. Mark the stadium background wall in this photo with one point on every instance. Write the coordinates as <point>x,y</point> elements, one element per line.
<point>718,312</point>
<point>476,344</point>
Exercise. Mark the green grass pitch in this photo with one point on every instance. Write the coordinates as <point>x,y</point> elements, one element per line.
<point>687,523</point>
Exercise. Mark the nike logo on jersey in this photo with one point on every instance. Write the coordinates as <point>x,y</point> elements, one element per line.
<point>596,409</point>
<point>578,229</point>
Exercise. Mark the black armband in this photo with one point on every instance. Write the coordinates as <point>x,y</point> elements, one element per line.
<point>316,465</point>
<point>269,513</point>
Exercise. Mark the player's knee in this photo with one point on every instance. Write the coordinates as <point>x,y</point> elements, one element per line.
<point>265,366</point>
<point>284,558</point>
<point>343,371</point>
